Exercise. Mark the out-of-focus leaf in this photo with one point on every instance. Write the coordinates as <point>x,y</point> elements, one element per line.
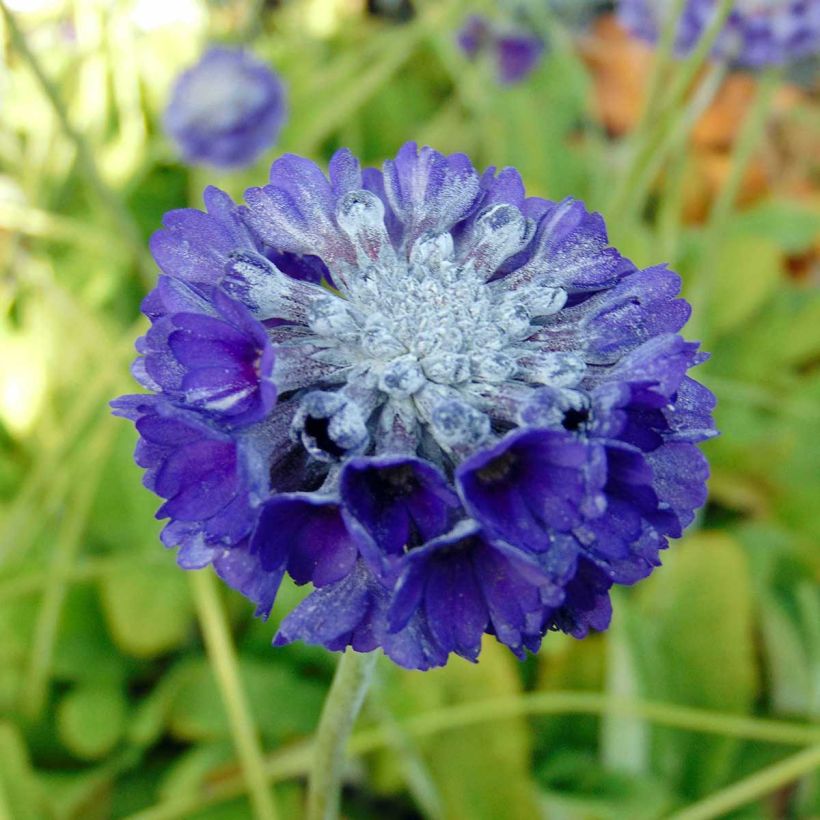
<point>151,713</point>
<point>746,271</point>
<point>148,609</point>
<point>123,512</point>
<point>697,616</point>
<point>789,224</point>
<point>481,771</point>
<point>801,339</point>
<point>91,718</point>
<point>20,796</point>
<point>575,783</point>
<point>787,664</point>
<point>283,704</point>
<point>16,630</point>
<point>566,663</point>
<point>190,770</point>
<point>807,594</point>
<point>74,795</point>
<point>84,652</point>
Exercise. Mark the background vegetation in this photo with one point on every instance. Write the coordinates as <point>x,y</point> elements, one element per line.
<point>111,702</point>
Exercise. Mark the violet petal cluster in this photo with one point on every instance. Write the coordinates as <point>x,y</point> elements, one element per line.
<point>758,33</point>
<point>515,50</point>
<point>225,110</point>
<point>450,408</point>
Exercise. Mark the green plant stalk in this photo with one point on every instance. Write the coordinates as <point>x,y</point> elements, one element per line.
<point>392,55</point>
<point>350,683</point>
<point>670,209</point>
<point>224,661</point>
<point>753,787</point>
<point>25,515</point>
<point>754,127</point>
<point>35,682</point>
<point>656,131</point>
<point>297,760</point>
<point>748,141</point>
<point>5,810</point>
<point>673,140</point>
<point>663,60</point>
<point>107,197</point>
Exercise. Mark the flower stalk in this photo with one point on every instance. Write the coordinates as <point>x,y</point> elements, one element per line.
<point>350,683</point>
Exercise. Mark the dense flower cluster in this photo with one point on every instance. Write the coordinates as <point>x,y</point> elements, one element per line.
<point>226,110</point>
<point>452,409</point>
<point>757,33</point>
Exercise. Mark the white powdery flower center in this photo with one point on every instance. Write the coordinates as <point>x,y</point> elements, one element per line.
<point>423,336</point>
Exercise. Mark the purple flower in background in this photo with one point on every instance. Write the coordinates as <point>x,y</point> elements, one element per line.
<point>757,33</point>
<point>447,407</point>
<point>515,50</point>
<point>226,110</point>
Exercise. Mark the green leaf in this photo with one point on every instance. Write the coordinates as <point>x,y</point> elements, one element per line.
<point>801,338</point>
<point>122,516</point>
<point>20,796</point>
<point>577,784</point>
<point>565,663</point>
<point>85,794</point>
<point>91,719</point>
<point>788,667</point>
<point>151,713</point>
<point>283,703</point>
<point>84,652</point>
<point>481,771</point>
<point>746,271</point>
<point>190,770</point>
<point>148,609</point>
<point>700,651</point>
<point>789,224</point>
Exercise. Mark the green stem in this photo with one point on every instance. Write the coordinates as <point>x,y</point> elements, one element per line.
<point>295,761</point>
<point>40,489</point>
<point>751,788</point>
<point>68,541</point>
<point>664,55</point>
<point>339,713</point>
<point>108,198</point>
<point>754,127</point>
<point>672,141</point>
<point>748,141</point>
<point>658,130</point>
<point>222,655</point>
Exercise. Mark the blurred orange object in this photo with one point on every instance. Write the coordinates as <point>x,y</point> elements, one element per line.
<point>620,65</point>
<point>787,162</point>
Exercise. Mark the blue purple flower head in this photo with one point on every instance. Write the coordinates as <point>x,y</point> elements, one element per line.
<point>450,408</point>
<point>225,110</point>
<point>757,33</point>
<point>514,38</point>
<point>515,50</point>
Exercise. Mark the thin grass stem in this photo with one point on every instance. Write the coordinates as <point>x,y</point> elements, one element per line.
<point>296,761</point>
<point>225,663</point>
<point>108,198</point>
<point>753,787</point>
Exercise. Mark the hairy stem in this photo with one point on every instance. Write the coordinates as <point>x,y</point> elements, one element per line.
<point>339,714</point>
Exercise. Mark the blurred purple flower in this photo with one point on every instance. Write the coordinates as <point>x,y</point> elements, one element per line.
<point>484,424</point>
<point>516,51</point>
<point>226,110</point>
<point>757,33</point>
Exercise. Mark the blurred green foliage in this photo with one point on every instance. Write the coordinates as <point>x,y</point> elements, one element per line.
<point>110,704</point>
